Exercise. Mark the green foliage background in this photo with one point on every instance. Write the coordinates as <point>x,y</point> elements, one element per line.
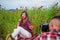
<point>9,19</point>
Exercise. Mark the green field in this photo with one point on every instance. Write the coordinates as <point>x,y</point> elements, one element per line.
<point>9,19</point>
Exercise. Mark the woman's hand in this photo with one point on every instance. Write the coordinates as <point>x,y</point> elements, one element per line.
<point>31,26</point>
<point>18,22</point>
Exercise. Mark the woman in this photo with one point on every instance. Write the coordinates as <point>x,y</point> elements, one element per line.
<point>23,27</point>
<point>25,22</point>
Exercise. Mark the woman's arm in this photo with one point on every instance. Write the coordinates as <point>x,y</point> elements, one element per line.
<point>18,22</point>
<point>30,25</point>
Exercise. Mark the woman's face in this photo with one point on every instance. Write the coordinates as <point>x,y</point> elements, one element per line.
<point>23,16</point>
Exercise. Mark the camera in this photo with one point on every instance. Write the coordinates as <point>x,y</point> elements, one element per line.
<point>45,27</point>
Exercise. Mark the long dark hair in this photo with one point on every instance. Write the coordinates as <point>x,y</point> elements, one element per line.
<point>25,14</point>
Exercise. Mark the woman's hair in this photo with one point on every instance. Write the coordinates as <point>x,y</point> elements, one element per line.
<point>25,14</point>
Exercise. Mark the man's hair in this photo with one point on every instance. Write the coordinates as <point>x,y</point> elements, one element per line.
<point>56,17</point>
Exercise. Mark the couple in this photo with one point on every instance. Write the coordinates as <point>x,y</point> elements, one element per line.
<point>24,29</point>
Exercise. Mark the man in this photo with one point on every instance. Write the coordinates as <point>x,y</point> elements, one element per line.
<point>54,33</point>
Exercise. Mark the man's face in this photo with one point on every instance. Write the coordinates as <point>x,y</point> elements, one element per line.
<point>54,24</point>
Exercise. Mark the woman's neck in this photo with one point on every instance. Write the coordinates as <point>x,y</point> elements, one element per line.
<point>24,20</point>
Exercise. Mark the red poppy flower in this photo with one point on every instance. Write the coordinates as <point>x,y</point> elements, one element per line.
<point>16,8</point>
<point>32,26</point>
<point>20,6</point>
<point>41,7</point>
<point>56,3</point>
<point>33,7</point>
<point>26,8</point>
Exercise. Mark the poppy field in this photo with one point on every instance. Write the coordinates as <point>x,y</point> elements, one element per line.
<point>37,16</point>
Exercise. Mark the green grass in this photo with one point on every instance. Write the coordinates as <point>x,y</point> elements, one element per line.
<point>9,20</point>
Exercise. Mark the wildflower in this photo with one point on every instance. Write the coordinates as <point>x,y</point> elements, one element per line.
<point>20,6</point>
<point>56,3</point>
<point>26,8</point>
<point>32,26</point>
<point>16,8</point>
<point>41,7</point>
<point>33,7</point>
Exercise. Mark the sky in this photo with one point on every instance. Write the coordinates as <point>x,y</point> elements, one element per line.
<point>13,4</point>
